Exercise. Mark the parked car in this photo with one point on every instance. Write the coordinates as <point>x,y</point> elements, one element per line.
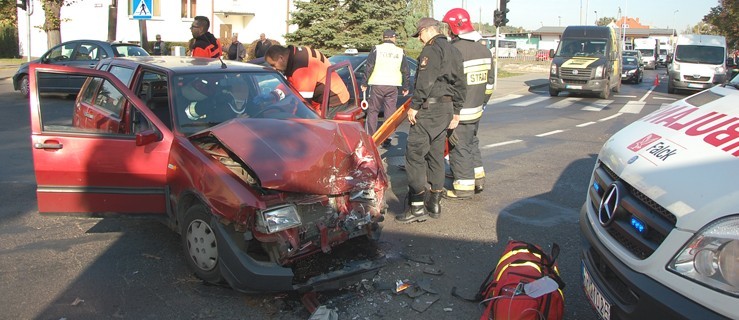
<point>631,70</point>
<point>542,55</point>
<point>76,53</point>
<point>228,153</point>
<point>358,61</point>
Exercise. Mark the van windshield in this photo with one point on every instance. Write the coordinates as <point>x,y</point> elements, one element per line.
<point>582,47</point>
<point>699,54</point>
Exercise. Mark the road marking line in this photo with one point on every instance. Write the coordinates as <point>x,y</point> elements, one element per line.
<point>549,133</point>
<point>505,98</point>
<point>529,102</point>
<point>609,118</point>
<point>622,96</point>
<point>647,94</point>
<point>664,105</point>
<point>500,144</point>
<point>585,124</point>
<point>632,107</point>
<point>563,103</point>
<point>664,98</point>
<point>598,105</point>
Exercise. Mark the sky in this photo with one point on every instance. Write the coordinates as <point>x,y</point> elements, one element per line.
<point>532,14</point>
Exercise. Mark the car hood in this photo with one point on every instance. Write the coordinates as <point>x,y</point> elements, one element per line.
<point>304,155</point>
<point>579,62</point>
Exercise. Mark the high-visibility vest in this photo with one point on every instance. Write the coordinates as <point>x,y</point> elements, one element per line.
<point>386,72</point>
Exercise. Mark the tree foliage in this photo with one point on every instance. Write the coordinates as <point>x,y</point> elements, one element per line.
<point>724,20</point>
<point>604,21</point>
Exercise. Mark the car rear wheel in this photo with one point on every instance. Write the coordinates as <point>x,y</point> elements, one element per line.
<point>200,245</point>
<point>24,86</point>
<point>553,92</point>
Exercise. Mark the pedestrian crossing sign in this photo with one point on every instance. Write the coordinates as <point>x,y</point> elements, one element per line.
<point>142,9</point>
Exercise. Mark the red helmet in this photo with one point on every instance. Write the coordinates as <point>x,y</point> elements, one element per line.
<point>459,21</point>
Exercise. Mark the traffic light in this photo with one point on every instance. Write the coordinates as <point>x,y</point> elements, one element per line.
<point>503,12</point>
<point>21,4</point>
<point>497,18</point>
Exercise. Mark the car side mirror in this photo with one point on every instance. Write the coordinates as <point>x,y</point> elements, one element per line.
<point>551,53</point>
<point>146,137</point>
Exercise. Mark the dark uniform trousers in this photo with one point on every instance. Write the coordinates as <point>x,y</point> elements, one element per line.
<point>426,141</point>
<point>382,98</point>
<point>465,156</point>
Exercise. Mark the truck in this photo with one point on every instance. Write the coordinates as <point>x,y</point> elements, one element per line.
<point>587,60</point>
<point>660,223</point>
<point>699,62</point>
<point>649,49</point>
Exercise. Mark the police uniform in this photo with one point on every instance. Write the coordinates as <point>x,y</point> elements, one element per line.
<point>388,70</point>
<point>306,71</point>
<point>438,95</point>
<point>464,156</point>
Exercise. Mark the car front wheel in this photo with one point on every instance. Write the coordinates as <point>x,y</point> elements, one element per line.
<point>24,86</point>
<point>200,245</point>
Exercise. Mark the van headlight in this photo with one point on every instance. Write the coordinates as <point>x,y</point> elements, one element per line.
<point>277,219</point>
<point>710,257</point>
<point>599,71</point>
<point>675,66</point>
<point>720,70</point>
<point>553,69</point>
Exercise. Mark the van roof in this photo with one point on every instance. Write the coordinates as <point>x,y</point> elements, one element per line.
<point>587,31</point>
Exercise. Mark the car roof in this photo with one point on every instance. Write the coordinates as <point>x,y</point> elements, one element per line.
<point>180,64</point>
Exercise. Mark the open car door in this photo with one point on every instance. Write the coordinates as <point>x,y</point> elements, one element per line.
<point>103,153</point>
<point>340,81</point>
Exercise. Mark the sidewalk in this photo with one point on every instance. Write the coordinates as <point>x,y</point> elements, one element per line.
<point>8,70</point>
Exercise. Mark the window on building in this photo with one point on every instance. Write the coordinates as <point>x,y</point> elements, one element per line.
<point>188,9</point>
<point>155,11</point>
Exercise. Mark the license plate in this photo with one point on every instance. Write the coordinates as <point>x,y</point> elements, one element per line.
<point>596,298</point>
<point>573,87</point>
<point>694,85</point>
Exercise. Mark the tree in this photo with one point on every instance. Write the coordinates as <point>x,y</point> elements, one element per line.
<point>604,21</point>
<point>8,29</point>
<point>704,28</point>
<point>319,21</point>
<point>366,20</point>
<point>52,21</point>
<point>724,20</point>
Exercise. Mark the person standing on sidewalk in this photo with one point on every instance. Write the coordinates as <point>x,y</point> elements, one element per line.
<point>437,100</point>
<point>262,46</point>
<point>160,48</point>
<point>387,70</point>
<point>236,50</point>
<point>464,151</point>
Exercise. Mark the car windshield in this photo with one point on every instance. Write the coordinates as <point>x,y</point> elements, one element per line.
<point>699,54</point>
<point>630,61</point>
<point>355,61</point>
<point>127,50</point>
<point>647,52</point>
<point>204,100</point>
<point>582,47</point>
<point>630,53</point>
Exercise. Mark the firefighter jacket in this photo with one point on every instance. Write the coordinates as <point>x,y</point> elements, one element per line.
<point>386,66</point>
<point>207,46</point>
<point>478,72</point>
<point>440,73</point>
<point>306,71</point>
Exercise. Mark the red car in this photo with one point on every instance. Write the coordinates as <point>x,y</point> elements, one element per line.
<point>229,153</point>
<point>542,55</point>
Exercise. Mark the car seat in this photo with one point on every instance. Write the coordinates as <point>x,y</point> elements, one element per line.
<point>82,54</point>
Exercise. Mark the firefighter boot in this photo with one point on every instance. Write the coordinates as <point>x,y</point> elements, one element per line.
<point>479,185</point>
<point>433,203</point>
<point>416,210</point>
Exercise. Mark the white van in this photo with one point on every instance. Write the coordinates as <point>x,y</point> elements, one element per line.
<point>660,224</point>
<point>698,63</point>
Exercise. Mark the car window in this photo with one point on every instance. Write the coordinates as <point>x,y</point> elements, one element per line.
<point>122,73</point>
<point>109,99</point>
<point>127,50</point>
<point>154,91</point>
<point>60,53</point>
<point>89,93</point>
<point>204,100</point>
<point>89,51</point>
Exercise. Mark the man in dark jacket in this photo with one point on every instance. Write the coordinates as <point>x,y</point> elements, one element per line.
<point>160,48</point>
<point>437,100</point>
<point>262,46</point>
<point>236,50</point>
<point>204,43</point>
<point>464,155</point>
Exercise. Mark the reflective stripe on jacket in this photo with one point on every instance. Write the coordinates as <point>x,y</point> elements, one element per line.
<point>478,71</point>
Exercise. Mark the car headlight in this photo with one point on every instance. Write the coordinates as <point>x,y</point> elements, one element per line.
<point>632,71</point>
<point>710,257</point>
<point>280,218</point>
<point>553,69</point>
<point>599,72</point>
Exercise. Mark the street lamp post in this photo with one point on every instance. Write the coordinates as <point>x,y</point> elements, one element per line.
<point>596,17</point>
<point>674,27</point>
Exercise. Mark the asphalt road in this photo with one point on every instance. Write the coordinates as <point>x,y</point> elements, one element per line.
<point>538,152</point>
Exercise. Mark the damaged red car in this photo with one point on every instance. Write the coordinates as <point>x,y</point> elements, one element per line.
<point>228,153</point>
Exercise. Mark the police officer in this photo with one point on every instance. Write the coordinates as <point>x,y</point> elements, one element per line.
<point>464,154</point>
<point>387,70</point>
<point>437,100</point>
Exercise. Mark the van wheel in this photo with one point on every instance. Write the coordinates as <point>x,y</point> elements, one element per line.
<point>617,88</point>
<point>670,88</point>
<point>200,245</point>
<point>606,92</point>
<point>553,92</point>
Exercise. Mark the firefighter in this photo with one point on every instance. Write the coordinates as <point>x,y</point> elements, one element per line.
<point>437,100</point>
<point>464,151</point>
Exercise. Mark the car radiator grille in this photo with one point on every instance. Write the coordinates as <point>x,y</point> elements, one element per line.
<point>633,204</point>
<point>699,79</point>
<point>575,74</point>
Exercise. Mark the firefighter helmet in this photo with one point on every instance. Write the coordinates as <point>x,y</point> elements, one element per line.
<point>459,21</point>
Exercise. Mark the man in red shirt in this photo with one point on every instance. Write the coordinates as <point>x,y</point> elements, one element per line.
<point>305,68</point>
<point>204,43</point>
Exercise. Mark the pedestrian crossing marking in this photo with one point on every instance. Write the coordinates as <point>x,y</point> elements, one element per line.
<point>529,102</point>
<point>633,107</point>
<point>598,105</point>
<point>504,98</point>
<point>623,96</point>
<point>563,103</point>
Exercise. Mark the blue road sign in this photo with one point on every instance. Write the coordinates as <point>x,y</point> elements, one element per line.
<point>142,9</point>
